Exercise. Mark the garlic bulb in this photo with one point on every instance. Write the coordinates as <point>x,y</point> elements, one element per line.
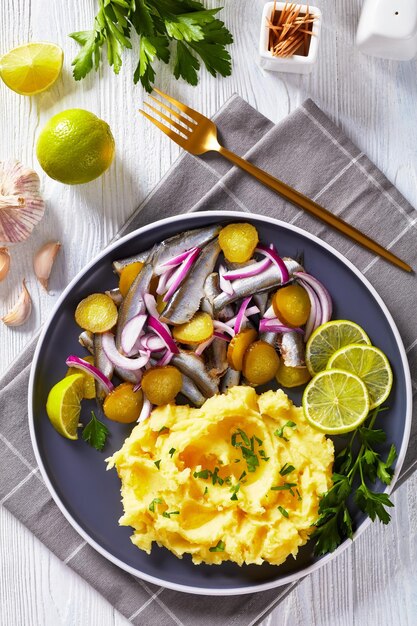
<point>4,263</point>
<point>21,204</point>
<point>44,260</point>
<point>21,310</point>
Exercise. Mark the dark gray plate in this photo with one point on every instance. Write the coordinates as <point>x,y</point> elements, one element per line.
<point>89,497</point>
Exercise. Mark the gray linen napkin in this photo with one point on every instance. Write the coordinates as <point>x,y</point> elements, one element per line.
<point>326,166</point>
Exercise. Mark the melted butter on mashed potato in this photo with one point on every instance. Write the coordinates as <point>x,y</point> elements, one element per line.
<point>191,482</point>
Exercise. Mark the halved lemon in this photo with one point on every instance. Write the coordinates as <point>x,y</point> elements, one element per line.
<point>336,402</point>
<point>330,337</point>
<point>31,68</point>
<point>370,364</point>
<point>63,405</point>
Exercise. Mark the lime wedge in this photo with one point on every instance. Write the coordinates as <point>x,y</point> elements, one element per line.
<point>63,405</point>
<point>330,337</point>
<point>336,402</point>
<point>370,364</point>
<point>31,68</point>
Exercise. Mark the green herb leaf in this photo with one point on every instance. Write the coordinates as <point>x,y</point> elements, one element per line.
<point>203,474</point>
<point>280,431</point>
<point>384,470</point>
<point>155,501</point>
<point>171,452</point>
<point>95,433</point>
<point>286,469</point>
<point>373,504</point>
<point>168,514</point>
<point>157,463</point>
<point>219,547</point>
<point>194,28</point>
<point>283,511</point>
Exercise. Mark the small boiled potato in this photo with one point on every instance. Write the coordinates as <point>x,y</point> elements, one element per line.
<point>89,383</point>
<point>198,329</point>
<point>161,384</point>
<point>292,305</point>
<point>96,313</point>
<point>292,376</point>
<point>238,242</point>
<point>128,275</point>
<point>238,346</point>
<point>123,404</point>
<point>260,363</point>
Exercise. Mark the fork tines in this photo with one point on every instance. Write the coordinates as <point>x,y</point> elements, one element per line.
<point>187,125</point>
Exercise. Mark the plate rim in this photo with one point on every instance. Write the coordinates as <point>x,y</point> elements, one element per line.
<point>153,579</point>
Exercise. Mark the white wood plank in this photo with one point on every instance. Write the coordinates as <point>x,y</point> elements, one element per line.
<point>374,582</point>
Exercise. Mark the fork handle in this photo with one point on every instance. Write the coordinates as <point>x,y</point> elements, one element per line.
<point>313,208</point>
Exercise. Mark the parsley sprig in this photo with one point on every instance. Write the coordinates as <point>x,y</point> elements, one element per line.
<point>182,29</point>
<point>95,433</point>
<point>335,523</point>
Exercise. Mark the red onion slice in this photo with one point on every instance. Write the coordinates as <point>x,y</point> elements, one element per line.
<point>252,310</point>
<point>131,332</point>
<point>273,256</point>
<point>222,336</point>
<point>314,319</point>
<point>322,294</point>
<point>162,331</point>
<point>152,342</point>
<point>241,314</point>
<point>176,260</point>
<point>269,313</point>
<point>165,359</point>
<point>224,284</point>
<point>75,361</point>
<point>163,280</point>
<point>146,410</point>
<point>222,326</point>
<point>200,349</point>
<point>180,274</point>
<point>275,325</point>
<point>150,304</point>
<point>118,359</point>
<point>249,270</point>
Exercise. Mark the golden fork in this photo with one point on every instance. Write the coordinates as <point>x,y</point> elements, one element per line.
<point>199,135</point>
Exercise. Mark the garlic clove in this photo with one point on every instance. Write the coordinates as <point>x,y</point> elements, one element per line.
<point>44,260</point>
<point>21,310</point>
<point>4,263</point>
<point>21,203</point>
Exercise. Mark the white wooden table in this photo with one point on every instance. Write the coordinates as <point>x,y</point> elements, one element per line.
<point>375,581</point>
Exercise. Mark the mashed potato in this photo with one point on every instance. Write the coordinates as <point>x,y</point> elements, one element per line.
<point>228,481</point>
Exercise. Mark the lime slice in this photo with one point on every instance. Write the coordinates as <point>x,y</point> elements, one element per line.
<point>63,405</point>
<point>31,68</point>
<point>330,337</point>
<point>370,364</point>
<point>336,402</point>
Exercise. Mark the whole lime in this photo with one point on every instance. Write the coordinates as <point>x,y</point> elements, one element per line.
<point>75,147</point>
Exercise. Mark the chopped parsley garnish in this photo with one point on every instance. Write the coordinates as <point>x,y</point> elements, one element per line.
<point>203,474</point>
<point>218,548</point>
<point>298,494</point>
<point>215,478</point>
<point>247,447</point>
<point>243,474</point>
<point>155,501</point>
<point>283,511</point>
<point>237,460</point>
<point>234,490</point>
<point>95,433</point>
<point>161,430</point>
<point>280,431</point>
<point>286,469</point>
<point>168,514</point>
<point>263,455</point>
<point>157,463</point>
<point>285,487</point>
<point>205,491</point>
<point>171,452</point>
